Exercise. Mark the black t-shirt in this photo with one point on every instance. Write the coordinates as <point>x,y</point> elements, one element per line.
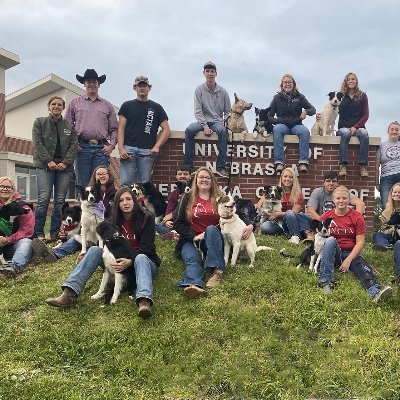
<point>143,119</point>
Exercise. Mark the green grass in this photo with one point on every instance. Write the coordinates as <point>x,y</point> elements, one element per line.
<point>264,333</point>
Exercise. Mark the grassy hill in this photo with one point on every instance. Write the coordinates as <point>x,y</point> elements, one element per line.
<point>264,333</point>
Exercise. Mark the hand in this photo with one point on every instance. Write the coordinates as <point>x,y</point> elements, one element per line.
<point>199,237</point>
<point>51,165</point>
<point>303,115</point>
<point>60,166</point>
<point>247,231</point>
<point>79,148</point>
<point>123,153</point>
<point>272,216</point>
<point>3,241</point>
<point>353,130</point>
<point>121,264</point>
<point>318,117</point>
<point>345,265</point>
<point>107,149</point>
<point>154,151</point>
<point>208,132</point>
<point>169,224</point>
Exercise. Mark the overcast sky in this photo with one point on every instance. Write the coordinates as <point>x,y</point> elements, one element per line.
<point>253,43</point>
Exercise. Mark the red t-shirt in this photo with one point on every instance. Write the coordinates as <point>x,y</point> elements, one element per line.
<point>203,215</point>
<point>287,205</point>
<point>127,233</point>
<point>345,228</point>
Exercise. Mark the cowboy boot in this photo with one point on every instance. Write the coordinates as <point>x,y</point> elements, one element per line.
<point>67,299</point>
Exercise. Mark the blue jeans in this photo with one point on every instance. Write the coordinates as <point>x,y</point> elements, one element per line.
<point>138,168</point>
<point>145,269</point>
<point>162,229</point>
<point>190,134</point>
<point>46,180</point>
<point>67,248</point>
<point>87,160</point>
<point>345,136</point>
<point>385,185</point>
<point>19,253</point>
<point>333,255</point>
<point>301,131</point>
<point>292,224</point>
<point>212,248</point>
<point>397,257</point>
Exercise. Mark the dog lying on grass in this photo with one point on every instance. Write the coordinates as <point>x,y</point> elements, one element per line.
<point>234,123</point>
<point>232,230</point>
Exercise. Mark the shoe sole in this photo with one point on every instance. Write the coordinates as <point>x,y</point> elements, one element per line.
<point>53,303</point>
<point>41,250</point>
<point>8,274</point>
<point>387,294</point>
<point>144,312</point>
<point>192,292</point>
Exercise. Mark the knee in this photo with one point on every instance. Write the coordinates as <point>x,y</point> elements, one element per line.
<point>344,134</point>
<point>330,244</point>
<point>267,228</point>
<point>140,260</point>
<point>397,246</point>
<point>290,214</point>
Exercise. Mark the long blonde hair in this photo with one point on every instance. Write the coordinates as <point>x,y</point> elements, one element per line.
<point>295,192</point>
<point>344,88</point>
<point>390,206</point>
<point>194,192</point>
<point>295,89</point>
<point>6,178</point>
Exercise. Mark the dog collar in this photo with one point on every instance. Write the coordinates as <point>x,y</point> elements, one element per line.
<point>68,228</point>
<point>227,217</point>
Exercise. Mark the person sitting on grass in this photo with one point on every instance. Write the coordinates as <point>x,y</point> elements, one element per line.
<point>290,221</point>
<point>16,243</point>
<point>164,228</point>
<point>101,174</point>
<point>137,225</point>
<point>344,245</point>
<point>385,239</point>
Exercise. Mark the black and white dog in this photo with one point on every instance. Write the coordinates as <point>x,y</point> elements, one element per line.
<point>395,221</point>
<point>315,250</point>
<point>263,126</point>
<point>71,221</point>
<point>154,201</point>
<point>272,203</point>
<point>115,246</point>
<point>326,125</point>
<point>92,214</point>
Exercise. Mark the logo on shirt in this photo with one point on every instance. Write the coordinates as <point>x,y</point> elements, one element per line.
<point>393,152</point>
<point>149,121</point>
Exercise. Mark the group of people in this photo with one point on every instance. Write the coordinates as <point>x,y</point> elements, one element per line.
<point>85,138</point>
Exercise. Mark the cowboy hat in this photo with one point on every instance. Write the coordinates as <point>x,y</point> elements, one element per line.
<point>90,74</point>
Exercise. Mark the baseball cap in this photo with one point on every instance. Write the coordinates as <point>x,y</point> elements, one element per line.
<point>141,78</point>
<point>209,65</point>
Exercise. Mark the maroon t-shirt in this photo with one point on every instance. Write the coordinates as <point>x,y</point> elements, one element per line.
<point>203,215</point>
<point>127,233</point>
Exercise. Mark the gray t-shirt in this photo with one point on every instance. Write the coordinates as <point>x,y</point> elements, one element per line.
<point>389,157</point>
<point>321,200</point>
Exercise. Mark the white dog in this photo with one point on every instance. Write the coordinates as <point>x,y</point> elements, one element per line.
<point>232,230</point>
<point>234,123</point>
<point>326,125</point>
<point>319,241</point>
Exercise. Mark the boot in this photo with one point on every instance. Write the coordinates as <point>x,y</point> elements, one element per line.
<point>342,170</point>
<point>67,299</point>
<point>364,171</point>
<point>144,308</point>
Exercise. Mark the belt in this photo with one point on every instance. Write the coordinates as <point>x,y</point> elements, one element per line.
<point>93,142</point>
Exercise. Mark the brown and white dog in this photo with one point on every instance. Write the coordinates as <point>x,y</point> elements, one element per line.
<point>232,230</point>
<point>234,123</point>
<point>326,125</point>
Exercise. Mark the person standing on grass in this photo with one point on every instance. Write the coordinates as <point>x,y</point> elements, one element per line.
<point>211,108</point>
<point>137,226</point>
<point>56,146</point>
<point>96,125</point>
<point>343,248</point>
<point>16,243</point>
<point>138,139</point>
<point>101,174</point>
<point>290,221</point>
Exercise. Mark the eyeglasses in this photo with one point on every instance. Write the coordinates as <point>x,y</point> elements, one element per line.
<point>8,188</point>
<point>331,180</point>
<point>204,178</point>
<point>101,173</point>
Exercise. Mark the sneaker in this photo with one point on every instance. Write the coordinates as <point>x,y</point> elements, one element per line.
<point>364,171</point>
<point>342,170</point>
<point>43,251</point>
<point>215,279</point>
<point>395,280</point>
<point>294,240</point>
<point>222,172</point>
<point>9,271</point>
<point>144,308</point>
<point>279,168</point>
<point>310,236</point>
<point>193,291</point>
<point>327,288</point>
<point>302,168</point>
<point>54,237</point>
<point>381,247</point>
<point>384,293</point>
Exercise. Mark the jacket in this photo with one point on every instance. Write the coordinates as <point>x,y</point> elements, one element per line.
<point>353,112</point>
<point>44,137</point>
<point>288,109</point>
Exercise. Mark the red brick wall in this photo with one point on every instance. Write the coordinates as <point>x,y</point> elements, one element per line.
<point>172,155</point>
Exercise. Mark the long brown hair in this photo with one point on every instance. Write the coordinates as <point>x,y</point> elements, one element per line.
<point>295,89</point>
<point>344,88</point>
<point>110,176</point>
<point>194,192</point>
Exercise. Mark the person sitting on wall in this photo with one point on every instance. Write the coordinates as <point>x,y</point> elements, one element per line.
<point>211,108</point>
<point>16,243</point>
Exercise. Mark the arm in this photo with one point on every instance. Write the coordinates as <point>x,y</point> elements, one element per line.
<point>365,116</point>
<point>37,139</point>
<point>72,150</point>
<point>26,227</point>
<point>227,105</point>
<point>70,114</point>
<point>198,109</point>
<point>358,204</point>
<point>181,225</point>
<point>112,127</point>
<point>377,165</point>
<point>162,137</point>
<point>308,108</point>
<point>360,242</point>
<point>121,133</point>
<point>312,213</point>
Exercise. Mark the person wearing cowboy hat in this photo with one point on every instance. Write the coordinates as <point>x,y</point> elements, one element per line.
<point>96,125</point>
<point>138,139</point>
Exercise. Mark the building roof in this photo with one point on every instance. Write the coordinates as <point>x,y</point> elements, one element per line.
<point>8,59</point>
<point>41,88</point>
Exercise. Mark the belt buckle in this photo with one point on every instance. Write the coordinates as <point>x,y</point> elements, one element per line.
<point>93,142</point>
